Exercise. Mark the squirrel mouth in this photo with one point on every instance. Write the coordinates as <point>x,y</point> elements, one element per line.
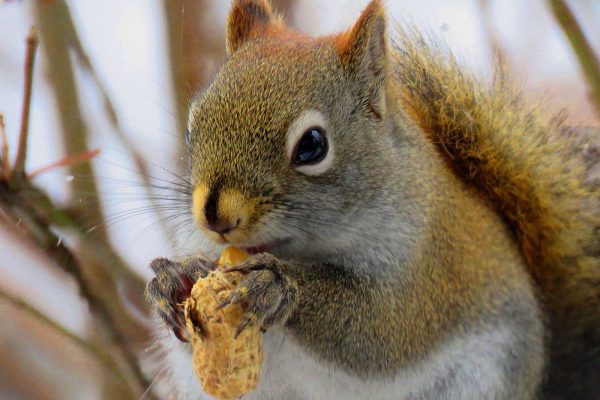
<point>264,247</point>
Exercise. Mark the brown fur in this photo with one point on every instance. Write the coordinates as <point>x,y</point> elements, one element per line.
<point>527,167</point>
<point>521,162</point>
<point>250,19</point>
<point>465,158</point>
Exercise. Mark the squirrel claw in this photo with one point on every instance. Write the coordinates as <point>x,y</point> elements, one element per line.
<point>266,294</point>
<point>224,303</point>
<point>179,335</point>
<point>248,266</point>
<point>245,322</point>
<point>172,284</point>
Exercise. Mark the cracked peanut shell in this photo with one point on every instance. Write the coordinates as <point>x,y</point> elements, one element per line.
<point>227,367</point>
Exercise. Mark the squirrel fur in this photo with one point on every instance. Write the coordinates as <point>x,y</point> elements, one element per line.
<point>529,168</point>
<point>446,247</point>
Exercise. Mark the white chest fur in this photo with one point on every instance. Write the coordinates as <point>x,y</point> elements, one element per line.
<point>464,368</point>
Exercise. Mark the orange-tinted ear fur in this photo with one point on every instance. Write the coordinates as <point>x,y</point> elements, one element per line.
<point>364,46</point>
<point>363,49</point>
<point>249,19</point>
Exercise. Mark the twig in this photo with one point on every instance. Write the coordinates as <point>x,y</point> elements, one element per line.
<point>21,213</point>
<point>589,62</point>
<point>6,168</point>
<point>66,162</point>
<point>32,42</point>
<point>498,54</point>
<point>111,112</point>
<point>52,19</point>
<point>32,211</point>
<point>19,375</point>
<point>176,13</point>
<point>30,208</point>
<point>95,351</point>
<point>109,108</point>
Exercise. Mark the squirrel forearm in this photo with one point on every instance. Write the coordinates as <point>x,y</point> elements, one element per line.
<point>330,312</point>
<point>345,318</point>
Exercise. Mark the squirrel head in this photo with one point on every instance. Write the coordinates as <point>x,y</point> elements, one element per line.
<point>284,141</point>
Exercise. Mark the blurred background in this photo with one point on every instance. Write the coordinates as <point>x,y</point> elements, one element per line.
<point>117,76</point>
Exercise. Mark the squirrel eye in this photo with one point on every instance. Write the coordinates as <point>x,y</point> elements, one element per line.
<point>311,148</point>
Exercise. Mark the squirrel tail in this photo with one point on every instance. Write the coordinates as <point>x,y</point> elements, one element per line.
<point>540,175</point>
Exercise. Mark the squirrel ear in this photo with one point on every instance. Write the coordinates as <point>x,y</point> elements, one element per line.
<point>364,50</point>
<point>247,19</point>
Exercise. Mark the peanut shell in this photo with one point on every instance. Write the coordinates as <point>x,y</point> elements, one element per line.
<point>227,367</point>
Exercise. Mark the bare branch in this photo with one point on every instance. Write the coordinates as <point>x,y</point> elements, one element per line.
<point>193,49</point>
<point>25,214</point>
<point>52,19</point>
<point>109,108</point>
<point>588,60</point>
<point>95,351</point>
<point>30,208</point>
<point>66,162</point>
<point>175,11</point>
<point>6,168</point>
<point>498,53</point>
<point>32,42</point>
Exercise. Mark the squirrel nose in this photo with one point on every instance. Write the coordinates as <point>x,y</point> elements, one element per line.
<point>221,226</point>
<point>217,209</point>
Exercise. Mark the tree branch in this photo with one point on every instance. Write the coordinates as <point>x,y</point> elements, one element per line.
<point>25,214</point>
<point>52,18</point>
<point>498,53</point>
<point>67,161</point>
<point>30,209</point>
<point>32,42</point>
<point>110,110</point>
<point>95,351</point>
<point>175,11</point>
<point>6,168</point>
<point>588,60</point>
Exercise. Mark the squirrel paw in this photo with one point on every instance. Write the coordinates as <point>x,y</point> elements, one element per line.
<point>172,285</point>
<point>266,294</point>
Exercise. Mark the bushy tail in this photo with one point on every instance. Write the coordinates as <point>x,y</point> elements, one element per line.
<point>540,176</point>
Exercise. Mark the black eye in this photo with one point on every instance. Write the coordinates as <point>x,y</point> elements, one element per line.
<point>311,148</point>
